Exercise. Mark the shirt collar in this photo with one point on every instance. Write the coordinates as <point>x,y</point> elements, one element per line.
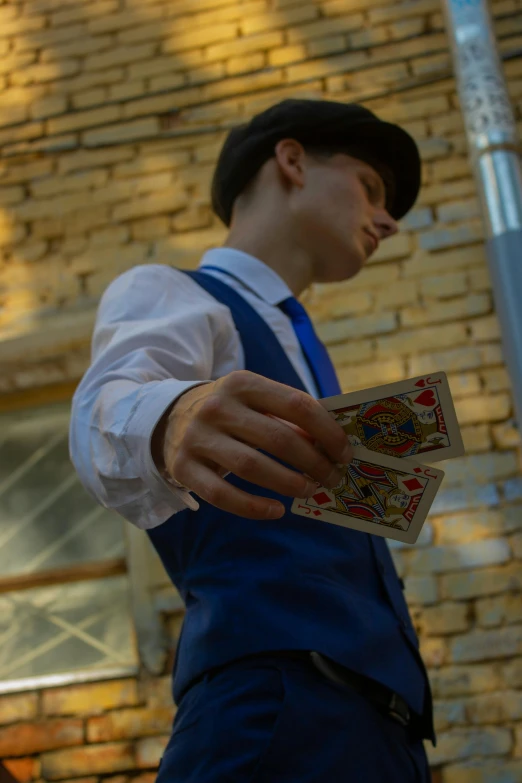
<point>252,272</point>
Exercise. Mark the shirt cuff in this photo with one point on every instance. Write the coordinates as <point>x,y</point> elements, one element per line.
<point>167,497</point>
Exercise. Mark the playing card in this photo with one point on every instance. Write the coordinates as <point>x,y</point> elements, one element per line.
<point>414,418</point>
<point>382,495</point>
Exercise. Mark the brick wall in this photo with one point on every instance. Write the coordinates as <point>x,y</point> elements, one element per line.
<point>112,114</point>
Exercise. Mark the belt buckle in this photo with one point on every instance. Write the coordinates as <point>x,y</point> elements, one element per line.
<point>395,714</point>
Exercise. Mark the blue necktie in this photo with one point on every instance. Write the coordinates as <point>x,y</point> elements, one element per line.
<point>315,353</point>
<point>313,349</point>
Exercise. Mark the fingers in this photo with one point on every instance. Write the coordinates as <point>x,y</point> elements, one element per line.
<point>251,465</point>
<point>219,493</point>
<point>295,406</point>
<point>286,443</point>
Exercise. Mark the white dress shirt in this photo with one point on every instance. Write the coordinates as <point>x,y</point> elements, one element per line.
<point>157,334</point>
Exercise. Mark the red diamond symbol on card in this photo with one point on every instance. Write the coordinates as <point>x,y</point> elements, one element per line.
<point>321,498</point>
<point>412,484</point>
<point>317,513</point>
<point>417,470</point>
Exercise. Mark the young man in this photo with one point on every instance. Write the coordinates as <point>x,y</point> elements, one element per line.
<point>297,662</point>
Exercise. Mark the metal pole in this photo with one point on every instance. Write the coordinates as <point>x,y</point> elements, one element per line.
<point>494,149</point>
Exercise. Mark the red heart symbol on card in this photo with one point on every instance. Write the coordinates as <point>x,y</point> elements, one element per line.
<point>426,398</point>
<point>421,383</point>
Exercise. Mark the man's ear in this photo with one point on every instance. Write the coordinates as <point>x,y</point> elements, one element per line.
<point>291,161</point>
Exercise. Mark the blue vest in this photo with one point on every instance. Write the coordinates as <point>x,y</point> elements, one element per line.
<point>293,583</point>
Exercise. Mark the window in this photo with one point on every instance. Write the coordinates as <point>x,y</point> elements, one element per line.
<point>65,593</point>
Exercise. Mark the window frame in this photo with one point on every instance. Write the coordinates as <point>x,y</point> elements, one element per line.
<point>148,630</point>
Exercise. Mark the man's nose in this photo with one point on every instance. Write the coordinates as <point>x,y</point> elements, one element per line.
<point>385,224</point>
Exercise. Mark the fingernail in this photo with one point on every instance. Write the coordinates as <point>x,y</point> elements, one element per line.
<point>275,511</point>
<point>334,478</point>
<point>311,487</point>
<point>347,453</point>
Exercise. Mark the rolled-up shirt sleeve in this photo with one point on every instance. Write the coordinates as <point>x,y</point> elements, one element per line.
<point>156,336</point>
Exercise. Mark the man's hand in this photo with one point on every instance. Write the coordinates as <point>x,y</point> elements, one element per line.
<point>218,427</point>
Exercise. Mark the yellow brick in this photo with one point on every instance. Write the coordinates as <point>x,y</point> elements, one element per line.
<point>244,45</point>
<point>130,89</point>
<point>397,294</point>
<point>269,21</point>
<point>239,84</point>
<point>86,81</point>
<point>476,438</point>
<point>49,37</point>
<point>464,384</point>
<point>402,11</point>
<point>123,131</point>
<point>286,54</point>
<point>202,36</point>
<point>365,375</point>
<point>325,27</point>
<point>86,160</point>
<point>165,201</point>
<point>82,13</point>
<point>151,163</point>
<point>369,37</point>
<point>394,247</point>
<point>369,77</point>
<point>443,286</point>
<point>506,435</point>
<point>484,329</point>
<point>480,279</point>
<point>410,48</point>
<point>352,353</point>
<point>420,340</point>
<point>122,55</point>
<point>145,32</point>
<point>453,168</point>
<point>224,13</point>
<point>332,306</point>
<point>400,110</point>
<point>156,66</point>
<point>22,26</point>
<point>56,185</point>
<point>425,263</point>
<point>450,310</point>
<point>207,73</point>
<point>259,102</point>
<point>16,113</point>
<point>113,235</point>
<point>214,112</point>
<point>84,119</point>
<point>48,106</point>
<point>496,380</point>
<point>86,98</point>
<point>474,410</point>
<point>17,707</point>
<point>333,44</point>
<point>150,228</point>
<point>196,216</point>
<point>251,62</point>
<point>44,72</point>
<point>162,103</point>
<point>115,22</point>
<point>16,60</point>
<point>330,65</point>
<point>12,195</point>
<point>78,46</point>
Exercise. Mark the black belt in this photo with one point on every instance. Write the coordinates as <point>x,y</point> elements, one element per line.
<point>385,699</point>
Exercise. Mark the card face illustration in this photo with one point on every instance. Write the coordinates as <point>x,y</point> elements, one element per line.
<point>409,419</point>
<point>381,495</point>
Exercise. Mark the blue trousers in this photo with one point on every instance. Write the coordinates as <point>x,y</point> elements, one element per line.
<point>275,720</point>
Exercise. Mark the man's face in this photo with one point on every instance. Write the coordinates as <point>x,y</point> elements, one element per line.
<point>340,215</point>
